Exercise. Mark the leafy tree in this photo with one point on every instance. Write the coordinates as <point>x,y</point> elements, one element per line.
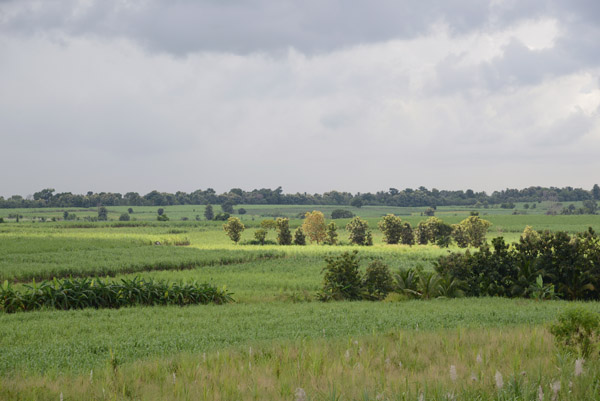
<point>162,217</point>
<point>124,217</point>
<point>234,228</point>
<point>160,211</point>
<point>407,236</point>
<point>341,214</point>
<point>434,230</point>
<point>208,212</point>
<point>284,235</point>
<point>471,231</point>
<point>299,237</point>
<point>429,211</point>
<point>590,206</point>
<point>102,214</point>
<point>130,210</point>
<point>331,234</point>
<point>227,207</point>
<point>260,235</point>
<point>391,227</point>
<point>269,224</point>
<point>359,231</point>
<point>242,211</point>
<point>314,226</point>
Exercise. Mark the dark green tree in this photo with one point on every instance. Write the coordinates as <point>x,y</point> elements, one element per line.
<point>299,237</point>
<point>208,212</point>
<point>102,214</point>
<point>331,238</point>
<point>284,235</point>
<point>391,227</point>
<point>359,231</point>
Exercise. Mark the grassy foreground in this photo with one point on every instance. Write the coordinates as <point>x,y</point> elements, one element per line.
<point>517,363</point>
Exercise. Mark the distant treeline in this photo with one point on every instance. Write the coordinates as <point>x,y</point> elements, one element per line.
<point>393,197</point>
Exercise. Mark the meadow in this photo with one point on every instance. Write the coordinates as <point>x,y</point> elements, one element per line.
<point>276,341</point>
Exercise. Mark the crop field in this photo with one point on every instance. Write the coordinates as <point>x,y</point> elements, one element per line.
<point>276,340</point>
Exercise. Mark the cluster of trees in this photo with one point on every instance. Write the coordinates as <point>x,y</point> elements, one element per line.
<point>541,265</point>
<point>469,232</point>
<point>236,196</point>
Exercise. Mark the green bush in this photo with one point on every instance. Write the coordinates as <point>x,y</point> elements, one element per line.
<point>576,330</point>
<point>359,232</point>
<point>284,235</point>
<point>260,235</point>
<point>378,281</point>
<point>299,237</point>
<point>341,214</point>
<point>342,279</point>
<point>124,217</point>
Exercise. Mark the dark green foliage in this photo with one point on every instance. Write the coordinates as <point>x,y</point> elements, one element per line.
<point>577,330</point>
<point>234,228</point>
<point>284,235</point>
<point>242,211</point>
<point>162,217</point>
<point>299,237</point>
<point>332,234</point>
<point>95,293</point>
<point>1,220</point>
<point>222,217</point>
<point>208,212</point>
<point>124,217</point>
<point>359,231</point>
<point>391,227</point>
<point>538,266</point>
<point>435,231</point>
<point>429,211</point>
<point>102,214</point>
<point>378,281</point>
<point>342,214</point>
<point>342,279</point>
<point>356,202</point>
<point>130,210</point>
<point>160,211</point>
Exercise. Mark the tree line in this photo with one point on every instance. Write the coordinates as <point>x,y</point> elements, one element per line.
<point>236,196</point>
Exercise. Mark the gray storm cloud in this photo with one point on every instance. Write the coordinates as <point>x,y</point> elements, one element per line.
<point>315,95</point>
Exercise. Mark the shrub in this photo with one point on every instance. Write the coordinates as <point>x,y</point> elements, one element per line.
<point>576,330</point>
<point>234,228</point>
<point>471,231</point>
<point>130,211</point>
<point>299,237</point>
<point>284,235</point>
<point>342,278</point>
<point>407,236</point>
<point>227,207</point>
<point>391,227</point>
<point>160,211</point>
<point>162,217</point>
<point>242,211</point>
<point>341,214</point>
<point>378,281</point>
<point>124,217</point>
<point>222,217</point>
<point>359,231</point>
<point>434,230</point>
<point>102,214</point>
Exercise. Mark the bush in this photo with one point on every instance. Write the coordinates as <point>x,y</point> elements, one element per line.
<point>359,232</point>
<point>342,278</point>
<point>407,236</point>
<point>124,217</point>
<point>130,211</point>
<point>162,217</point>
<point>299,237</point>
<point>102,214</point>
<point>577,331</point>
<point>242,211</point>
<point>209,214</point>
<point>260,235</point>
<point>341,214</point>
<point>331,234</point>
<point>227,207</point>
<point>222,217</point>
<point>470,232</point>
<point>378,281</point>
<point>160,211</point>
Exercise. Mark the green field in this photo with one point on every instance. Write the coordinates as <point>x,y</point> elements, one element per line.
<point>403,348</point>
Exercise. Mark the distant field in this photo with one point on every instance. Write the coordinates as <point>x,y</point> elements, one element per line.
<point>275,311</point>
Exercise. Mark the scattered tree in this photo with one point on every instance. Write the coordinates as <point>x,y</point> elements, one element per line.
<point>342,278</point>
<point>391,227</point>
<point>162,217</point>
<point>221,217</point>
<point>234,228</point>
<point>407,236</point>
<point>341,214</point>
<point>130,210</point>
<point>359,231</point>
<point>208,212</point>
<point>260,235</point>
<point>470,232</point>
<point>284,235</point>
<point>242,211</point>
<point>314,226</point>
<point>378,281</point>
<point>160,211</point>
<point>299,237</point>
<point>331,234</point>
<point>124,217</point>
<point>357,202</point>
<point>227,207</point>
<point>102,214</point>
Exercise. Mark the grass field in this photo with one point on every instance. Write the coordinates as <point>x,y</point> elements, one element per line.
<point>342,350</point>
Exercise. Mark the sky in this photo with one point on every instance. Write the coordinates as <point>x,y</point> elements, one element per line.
<point>312,95</point>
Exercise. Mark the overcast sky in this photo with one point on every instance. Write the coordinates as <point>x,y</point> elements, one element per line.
<point>312,95</point>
